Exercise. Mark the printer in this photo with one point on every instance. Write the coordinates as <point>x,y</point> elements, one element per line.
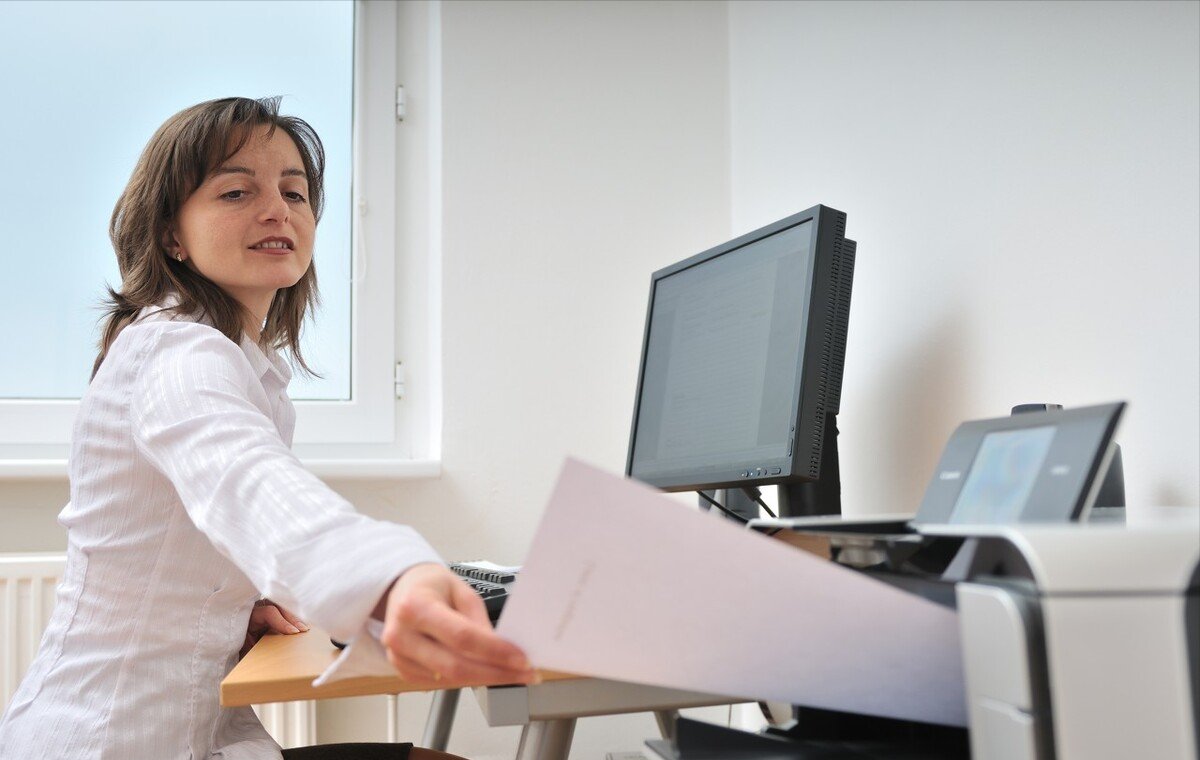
<point>1079,627</point>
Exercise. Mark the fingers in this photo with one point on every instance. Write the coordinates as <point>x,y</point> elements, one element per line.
<point>464,599</point>
<point>293,619</point>
<point>455,631</point>
<point>269,617</point>
<point>274,620</point>
<point>423,659</point>
<point>411,670</point>
<point>435,625</point>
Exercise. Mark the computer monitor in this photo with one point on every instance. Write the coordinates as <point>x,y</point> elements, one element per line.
<point>741,369</point>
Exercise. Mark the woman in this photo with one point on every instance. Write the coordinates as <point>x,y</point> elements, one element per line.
<point>187,505</point>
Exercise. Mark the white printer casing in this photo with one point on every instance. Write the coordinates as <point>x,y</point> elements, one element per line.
<point>1085,644</point>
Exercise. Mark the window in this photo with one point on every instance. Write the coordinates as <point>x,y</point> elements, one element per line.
<point>92,101</point>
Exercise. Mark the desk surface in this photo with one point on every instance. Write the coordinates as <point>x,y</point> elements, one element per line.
<point>281,669</point>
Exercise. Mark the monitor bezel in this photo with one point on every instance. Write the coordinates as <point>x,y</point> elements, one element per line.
<point>826,233</point>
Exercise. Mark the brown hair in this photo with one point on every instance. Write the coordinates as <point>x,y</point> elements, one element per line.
<point>173,165</point>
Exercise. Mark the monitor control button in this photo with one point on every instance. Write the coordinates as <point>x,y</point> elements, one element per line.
<point>776,470</point>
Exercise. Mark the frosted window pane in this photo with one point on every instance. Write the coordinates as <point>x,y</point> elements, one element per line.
<point>85,84</point>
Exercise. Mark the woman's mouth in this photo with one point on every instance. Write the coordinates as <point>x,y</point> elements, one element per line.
<point>274,246</point>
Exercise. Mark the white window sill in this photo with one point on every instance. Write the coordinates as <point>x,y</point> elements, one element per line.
<point>332,469</point>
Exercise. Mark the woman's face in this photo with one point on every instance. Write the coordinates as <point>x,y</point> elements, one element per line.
<point>249,227</point>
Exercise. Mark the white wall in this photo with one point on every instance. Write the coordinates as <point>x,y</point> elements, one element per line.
<point>1022,181</point>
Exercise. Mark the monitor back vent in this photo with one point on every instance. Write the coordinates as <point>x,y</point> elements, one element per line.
<point>843,276</point>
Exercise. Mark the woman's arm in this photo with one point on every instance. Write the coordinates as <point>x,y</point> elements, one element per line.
<point>197,417</point>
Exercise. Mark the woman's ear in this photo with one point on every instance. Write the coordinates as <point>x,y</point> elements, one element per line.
<point>172,247</point>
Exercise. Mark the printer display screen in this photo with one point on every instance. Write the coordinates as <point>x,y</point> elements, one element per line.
<point>1002,476</point>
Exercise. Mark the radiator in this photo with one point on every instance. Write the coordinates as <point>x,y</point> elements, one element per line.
<point>27,585</point>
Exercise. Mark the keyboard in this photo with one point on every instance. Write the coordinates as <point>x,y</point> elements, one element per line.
<point>489,581</point>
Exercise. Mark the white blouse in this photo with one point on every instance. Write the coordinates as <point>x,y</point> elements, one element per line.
<point>187,505</point>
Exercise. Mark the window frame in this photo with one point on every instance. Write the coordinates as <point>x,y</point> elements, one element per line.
<point>387,429</point>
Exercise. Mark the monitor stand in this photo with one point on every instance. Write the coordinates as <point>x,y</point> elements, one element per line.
<point>808,499</point>
<point>817,497</point>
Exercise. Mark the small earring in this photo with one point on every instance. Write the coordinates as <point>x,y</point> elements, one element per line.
<point>179,256</point>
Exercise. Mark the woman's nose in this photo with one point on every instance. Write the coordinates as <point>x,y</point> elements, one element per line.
<point>275,208</point>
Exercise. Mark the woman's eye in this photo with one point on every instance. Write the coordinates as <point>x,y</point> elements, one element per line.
<point>234,195</point>
<point>295,196</point>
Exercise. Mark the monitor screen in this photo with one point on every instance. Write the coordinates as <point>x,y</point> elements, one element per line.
<point>722,360</point>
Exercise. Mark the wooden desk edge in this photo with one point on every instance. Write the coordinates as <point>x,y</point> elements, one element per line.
<point>282,668</point>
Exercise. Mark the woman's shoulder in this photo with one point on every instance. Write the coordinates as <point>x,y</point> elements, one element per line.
<point>176,343</point>
<point>149,330</point>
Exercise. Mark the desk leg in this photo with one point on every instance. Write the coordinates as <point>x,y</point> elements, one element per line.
<point>441,718</point>
<point>546,740</point>
<point>666,723</point>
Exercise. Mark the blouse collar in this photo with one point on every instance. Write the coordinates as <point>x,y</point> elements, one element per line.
<point>267,362</point>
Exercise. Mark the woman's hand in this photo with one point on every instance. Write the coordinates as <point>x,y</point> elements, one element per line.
<point>267,617</point>
<point>436,627</point>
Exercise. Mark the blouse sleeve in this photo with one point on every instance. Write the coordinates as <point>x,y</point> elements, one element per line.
<point>297,541</point>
